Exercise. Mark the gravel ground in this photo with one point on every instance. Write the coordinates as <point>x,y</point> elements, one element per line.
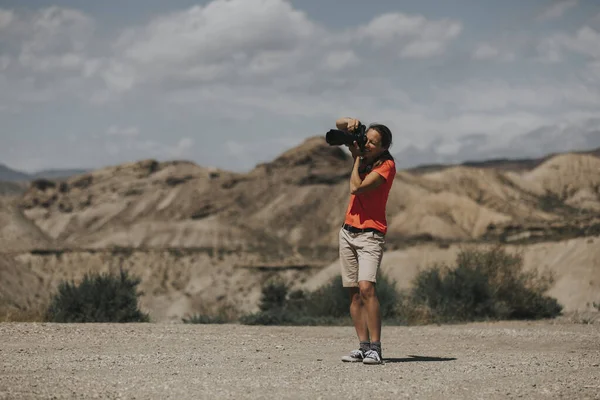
<point>538,360</point>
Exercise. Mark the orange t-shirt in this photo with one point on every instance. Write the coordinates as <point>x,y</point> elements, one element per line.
<point>367,210</point>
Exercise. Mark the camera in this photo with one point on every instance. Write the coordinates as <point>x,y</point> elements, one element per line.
<point>336,137</point>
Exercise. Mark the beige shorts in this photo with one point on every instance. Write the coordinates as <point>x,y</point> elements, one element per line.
<point>360,256</point>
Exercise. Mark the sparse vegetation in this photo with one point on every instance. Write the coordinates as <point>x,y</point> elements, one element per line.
<point>13,314</point>
<point>123,251</point>
<point>204,319</point>
<point>329,305</point>
<point>224,314</point>
<point>483,285</point>
<point>177,180</point>
<point>97,298</point>
<point>552,203</point>
<point>43,184</point>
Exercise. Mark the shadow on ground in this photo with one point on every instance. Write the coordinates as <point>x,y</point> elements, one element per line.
<point>412,358</point>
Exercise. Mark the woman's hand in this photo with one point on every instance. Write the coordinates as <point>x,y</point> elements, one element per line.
<point>347,124</point>
<point>354,150</point>
<point>352,124</point>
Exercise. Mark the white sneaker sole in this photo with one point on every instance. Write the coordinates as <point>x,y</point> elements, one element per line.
<point>351,359</point>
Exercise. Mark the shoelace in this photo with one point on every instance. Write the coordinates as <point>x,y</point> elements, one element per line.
<point>356,354</point>
<point>373,354</point>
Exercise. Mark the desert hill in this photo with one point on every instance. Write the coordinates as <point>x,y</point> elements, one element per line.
<point>17,232</point>
<point>500,164</point>
<point>207,236</point>
<point>575,264</point>
<point>12,188</point>
<point>8,174</point>
<point>296,202</point>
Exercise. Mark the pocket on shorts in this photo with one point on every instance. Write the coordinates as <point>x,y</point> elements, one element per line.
<point>377,236</point>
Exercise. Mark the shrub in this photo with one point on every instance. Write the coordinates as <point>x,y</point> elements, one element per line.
<point>275,309</point>
<point>269,317</point>
<point>204,319</point>
<point>333,300</point>
<point>484,284</point>
<point>328,305</point>
<point>273,295</point>
<point>98,298</point>
<point>224,314</point>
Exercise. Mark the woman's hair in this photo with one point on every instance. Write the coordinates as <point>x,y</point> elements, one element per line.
<point>386,142</point>
<point>386,134</point>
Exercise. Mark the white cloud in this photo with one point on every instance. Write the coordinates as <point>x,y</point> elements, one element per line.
<point>235,39</point>
<point>482,95</point>
<point>339,60</point>
<point>245,150</point>
<point>181,149</point>
<point>6,17</point>
<point>4,62</point>
<point>486,51</point>
<point>130,131</point>
<point>592,73</point>
<point>585,41</point>
<point>258,41</point>
<point>410,36</point>
<point>557,10</point>
<point>549,50</point>
<point>130,146</point>
<point>44,55</point>
<point>54,38</point>
<point>263,64</point>
<point>126,140</point>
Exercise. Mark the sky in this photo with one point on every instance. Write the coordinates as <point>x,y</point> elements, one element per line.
<point>234,83</point>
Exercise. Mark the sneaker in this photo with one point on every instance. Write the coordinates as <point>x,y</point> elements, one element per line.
<point>372,357</point>
<point>355,356</point>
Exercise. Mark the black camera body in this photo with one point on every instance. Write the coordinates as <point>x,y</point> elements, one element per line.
<point>336,137</point>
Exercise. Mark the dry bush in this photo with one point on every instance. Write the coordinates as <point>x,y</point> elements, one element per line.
<point>484,284</point>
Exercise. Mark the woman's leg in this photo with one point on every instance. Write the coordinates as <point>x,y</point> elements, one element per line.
<point>358,314</point>
<point>370,309</point>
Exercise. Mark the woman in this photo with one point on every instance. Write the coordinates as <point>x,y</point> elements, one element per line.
<point>362,236</point>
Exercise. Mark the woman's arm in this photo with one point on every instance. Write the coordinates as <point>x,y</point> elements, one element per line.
<point>371,181</point>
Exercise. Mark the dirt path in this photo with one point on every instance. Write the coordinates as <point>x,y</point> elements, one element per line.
<point>160,361</point>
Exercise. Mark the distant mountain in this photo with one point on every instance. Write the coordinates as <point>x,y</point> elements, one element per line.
<point>10,175</point>
<point>58,173</point>
<point>500,164</point>
<point>522,152</point>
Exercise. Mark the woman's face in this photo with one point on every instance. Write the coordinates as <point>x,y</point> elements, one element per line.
<point>373,147</point>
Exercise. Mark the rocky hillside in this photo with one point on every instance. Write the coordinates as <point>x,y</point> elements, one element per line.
<point>205,229</point>
<point>294,205</point>
<point>12,188</point>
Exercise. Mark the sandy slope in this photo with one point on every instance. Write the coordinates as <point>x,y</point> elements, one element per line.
<point>284,213</point>
<point>575,264</point>
<point>298,200</point>
<point>179,283</point>
<point>18,233</point>
<point>175,284</point>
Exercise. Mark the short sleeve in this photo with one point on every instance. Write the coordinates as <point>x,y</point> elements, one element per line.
<point>387,170</point>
